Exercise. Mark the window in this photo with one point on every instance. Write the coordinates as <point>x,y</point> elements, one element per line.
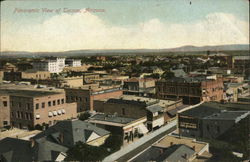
<point>27,116</point>
<point>18,114</point>
<point>31,117</point>
<point>58,102</point>
<point>218,129</point>
<point>54,102</point>
<point>12,114</point>
<point>19,105</point>
<point>207,127</point>
<point>62,101</point>
<point>5,104</point>
<point>5,123</point>
<point>28,106</point>
<point>80,98</point>
<point>123,111</point>
<point>49,103</point>
<point>22,116</point>
<point>43,105</point>
<point>37,106</point>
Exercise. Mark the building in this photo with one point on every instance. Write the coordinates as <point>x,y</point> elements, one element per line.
<point>191,90</point>
<point>173,149</point>
<point>85,96</point>
<point>89,78</point>
<point>73,62</point>
<point>155,117</point>
<point>128,128</point>
<point>68,132</point>
<point>210,120</point>
<point>4,110</point>
<point>139,87</point>
<point>28,151</point>
<point>30,107</point>
<point>136,107</point>
<point>9,67</point>
<point>53,65</point>
<point>241,64</point>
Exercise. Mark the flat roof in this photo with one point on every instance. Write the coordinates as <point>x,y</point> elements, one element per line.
<point>201,111</point>
<point>228,115</point>
<point>137,99</point>
<point>27,93</point>
<point>112,118</point>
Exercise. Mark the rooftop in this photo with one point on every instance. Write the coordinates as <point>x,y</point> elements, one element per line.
<point>72,132</point>
<point>27,93</point>
<point>201,111</point>
<point>112,118</point>
<point>132,99</point>
<point>229,115</point>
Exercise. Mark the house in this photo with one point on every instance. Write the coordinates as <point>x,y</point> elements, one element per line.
<point>68,132</point>
<point>29,151</point>
<point>174,149</point>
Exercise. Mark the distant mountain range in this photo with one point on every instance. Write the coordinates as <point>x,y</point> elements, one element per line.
<point>237,47</point>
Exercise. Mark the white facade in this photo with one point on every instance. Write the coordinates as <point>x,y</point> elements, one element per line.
<point>73,62</point>
<point>53,65</point>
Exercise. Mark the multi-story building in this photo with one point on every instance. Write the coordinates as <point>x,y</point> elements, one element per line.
<point>136,107</point>
<point>30,107</point>
<point>85,96</point>
<point>191,90</point>
<point>73,62</point>
<point>210,120</point>
<point>4,110</point>
<point>241,64</point>
<point>53,65</point>
<point>128,128</point>
<point>139,87</point>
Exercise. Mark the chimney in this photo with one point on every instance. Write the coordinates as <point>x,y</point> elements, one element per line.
<point>185,156</point>
<point>161,151</point>
<point>61,139</point>
<point>32,142</point>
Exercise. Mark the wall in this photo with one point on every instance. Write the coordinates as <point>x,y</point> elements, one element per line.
<point>4,110</point>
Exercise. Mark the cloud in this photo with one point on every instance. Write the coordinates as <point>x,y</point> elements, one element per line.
<point>86,31</point>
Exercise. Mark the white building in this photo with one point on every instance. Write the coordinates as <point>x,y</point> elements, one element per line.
<point>73,62</point>
<point>54,65</point>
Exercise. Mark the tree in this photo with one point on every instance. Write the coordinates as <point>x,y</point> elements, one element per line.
<point>113,142</point>
<point>85,152</point>
<point>84,116</point>
<point>168,75</point>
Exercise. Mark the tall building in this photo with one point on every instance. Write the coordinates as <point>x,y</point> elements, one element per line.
<point>53,65</point>
<point>29,107</point>
<point>73,62</point>
<point>191,90</point>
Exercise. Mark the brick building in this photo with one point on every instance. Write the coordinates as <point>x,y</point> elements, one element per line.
<point>139,86</point>
<point>29,108</point>
<point>136,107</point>
<point>4,110</point>
<point>85,96</point>
<point>190,90</point>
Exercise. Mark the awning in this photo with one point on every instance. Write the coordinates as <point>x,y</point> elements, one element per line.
<point>50,114</point>
<point>54,113</point>
<point>37,116</point>
<point>142,129</point>
<point>63,111</point>
<point>59,112</point>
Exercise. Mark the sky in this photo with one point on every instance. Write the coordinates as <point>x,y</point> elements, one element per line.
<point>27,25</point>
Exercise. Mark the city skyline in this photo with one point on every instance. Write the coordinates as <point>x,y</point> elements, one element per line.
<point>47,26</point>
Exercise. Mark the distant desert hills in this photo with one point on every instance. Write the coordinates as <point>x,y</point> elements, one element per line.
<point>235,47</point>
